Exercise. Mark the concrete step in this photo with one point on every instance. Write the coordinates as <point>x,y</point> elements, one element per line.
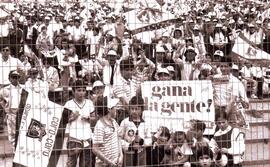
<point>257,132</point>
<point>262,104</point>
<point>257,152</point>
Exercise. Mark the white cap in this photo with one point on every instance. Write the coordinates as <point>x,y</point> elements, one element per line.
<point>251,25</point>
<point>112,52</point>
<point>190,48</point>
<point>47,18</point>
<point>231,21</point>
<point>163,70</point>
<point>218,25</point>
<point>166,34</point>
<point>97,84</point>
<point>112,102</point>
<point>219,53</point>
<point>235,67</point>
<point>196,27</point>
<point>268,26</point>
<point>240,21</point>
<point>160,49</point>
<point>170,68</point>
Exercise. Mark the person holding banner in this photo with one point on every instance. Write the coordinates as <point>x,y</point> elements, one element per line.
<point>80,137</point>
<point>135,135</point>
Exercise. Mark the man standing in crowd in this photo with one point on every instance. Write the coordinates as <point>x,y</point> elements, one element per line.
<point>80,133</point>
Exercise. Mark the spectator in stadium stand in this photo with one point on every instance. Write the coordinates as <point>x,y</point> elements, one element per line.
<point>80,137</point>
<point>196,139</point>
<point>8,63</point>
<point>177,38</point>
<point>198,39</point>
<point>126,85</point>
<point>135,134</point>
<point>5,28</point>
<point>92,37</point>
<point>160,151</point>
<point>160,56</point>
<point>91,67</point>
<point>266,39</point>
<point>78,36</point>
<point>11,96</point>
<point>204,156</point>
<point>247,78</point>
<point>107,144</point>
<point>228,141</point>
<point>180,150</point>
<point>30,33</point>
<point>35,83</point>
<point>254,33</point>
<point>219,39</point>
<point>67,59</point>
<point>110,68</point>
<point>16,38</point>
<point>50,73</point>
<point>163,74</point>
<point>257,72</point>
<point>186,60</point>
<point>97,90</point>
<point>144,67</point>
<point>44,41</point>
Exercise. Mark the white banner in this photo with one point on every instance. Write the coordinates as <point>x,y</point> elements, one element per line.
<point>175,103</point>
<point>243,48</point>
<point>39,126</point>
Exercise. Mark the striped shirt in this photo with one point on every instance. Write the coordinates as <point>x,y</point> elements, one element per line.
<point>107,137</point>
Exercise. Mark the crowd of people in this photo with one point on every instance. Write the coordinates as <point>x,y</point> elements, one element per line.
<point>88,49</point>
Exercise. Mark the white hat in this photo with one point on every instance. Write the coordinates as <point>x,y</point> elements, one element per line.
<point>47,18</point>
<point>268,26</point>
<point>219,53</point>
<point>240,21</point>
<point>160,49</point>
<point>112,102</point>
<point>223,17</point>
<point>258,22</point>
<point>163,70</point>
<point>235,67</point>
<point>97,84</point>
<point>218,25</point>
<point>196,27</point>
<point>112,52</point>
<point>170,69</point>
<point>251,25</point>
<point>231,21</point>
<point>166,34</point>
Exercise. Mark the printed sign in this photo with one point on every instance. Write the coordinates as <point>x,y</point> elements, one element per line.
<point>175,103</point>
<point>39,126</point>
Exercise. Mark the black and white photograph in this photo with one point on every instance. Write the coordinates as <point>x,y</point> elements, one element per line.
<point>125,83</point>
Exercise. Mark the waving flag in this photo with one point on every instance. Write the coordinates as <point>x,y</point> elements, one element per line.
<point>148,13</point>
<point>247,50</point>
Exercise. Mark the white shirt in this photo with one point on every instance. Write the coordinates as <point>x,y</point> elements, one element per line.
<point>4,30</point>
<point>128,132</point>
<point>237,143</point>
<point>79,128</point>
<point>14,95</point>
<point>7,66</point>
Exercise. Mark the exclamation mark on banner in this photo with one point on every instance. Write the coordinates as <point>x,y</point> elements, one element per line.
<point>209,102</point>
